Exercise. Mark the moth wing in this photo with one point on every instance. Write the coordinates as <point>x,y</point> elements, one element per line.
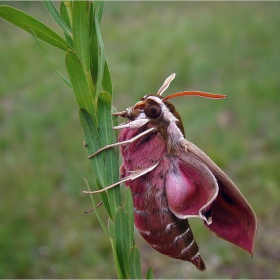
<point>233,219</point>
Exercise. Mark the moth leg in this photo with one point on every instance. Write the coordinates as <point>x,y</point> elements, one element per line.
<point>124,142</point>
<point>121,114</point>
<point>134,175</point>
<point>93,209</point>
<point>133,124</point>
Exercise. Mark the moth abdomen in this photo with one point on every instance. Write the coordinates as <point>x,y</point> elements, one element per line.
<point>165,232</point>
<point>189,248</point>
<point>174,240</point>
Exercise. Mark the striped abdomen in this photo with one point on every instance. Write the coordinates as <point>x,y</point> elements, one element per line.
<point>165,232</point>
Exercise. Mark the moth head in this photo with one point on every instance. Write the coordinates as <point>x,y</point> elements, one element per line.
<point>153,106</point>
<point>150,106</point>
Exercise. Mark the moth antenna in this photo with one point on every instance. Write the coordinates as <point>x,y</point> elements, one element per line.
<point>166,84</point>
<point>195,93</point>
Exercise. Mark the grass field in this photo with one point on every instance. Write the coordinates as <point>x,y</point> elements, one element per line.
<point>221,47</point>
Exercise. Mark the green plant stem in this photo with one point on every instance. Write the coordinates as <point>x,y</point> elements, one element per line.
<point>91,83</point>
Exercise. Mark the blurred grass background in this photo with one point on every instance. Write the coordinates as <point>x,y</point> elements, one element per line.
<point>220,47</point>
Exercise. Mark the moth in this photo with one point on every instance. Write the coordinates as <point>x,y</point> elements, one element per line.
<point>172,180</point>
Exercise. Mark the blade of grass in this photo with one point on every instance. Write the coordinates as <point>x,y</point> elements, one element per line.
<point>96,8</point>
<point>42,53</point>
<point>130,214</point>
<point>92,140</point>
<point>79,82</point>
<point>116,259</point>
<point>150,273</point>
<point>107,83</point>
<point>121,236</point>
<point>65,17</point>
<point>111,159</point>
<point>94,60</point>
<point>134,264</point>
<point>81,12</point>
<point>98,5</point>
<point>104,120</point>
<point>81,37</point>
<point>27,22</point>
<point>68,6</point>
<point>111,228</point>
<point>57,17</point>
<point>100,54</point>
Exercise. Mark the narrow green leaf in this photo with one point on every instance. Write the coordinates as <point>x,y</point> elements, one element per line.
<point>104,118</point>
<point>56,16</point>
<point>81,38</point>
<point>81,12</point>
<point>111,158</point>
<point>27,22</point>
<point>111,228</point>
<point>92,141</point>
<point>79,83</point>
<point>99,5</point>
<point>95,7</point>
<point>96,209</point>
<point>100,54</point>
<point>117,262</point>
<point>134,264</point>
<point>130,214</point>
<point>150,273</point>
<point>65,17</point>
<point>107,83</point>
<point>94,60</point>
<point>121,234</point>
<point>95,67</point>
<point>42,53</point>
<point>68,6</point>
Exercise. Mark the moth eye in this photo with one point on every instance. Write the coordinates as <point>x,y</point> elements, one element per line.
<point>153,111</point>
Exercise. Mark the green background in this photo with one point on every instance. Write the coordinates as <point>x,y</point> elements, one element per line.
<point>220,47</point>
